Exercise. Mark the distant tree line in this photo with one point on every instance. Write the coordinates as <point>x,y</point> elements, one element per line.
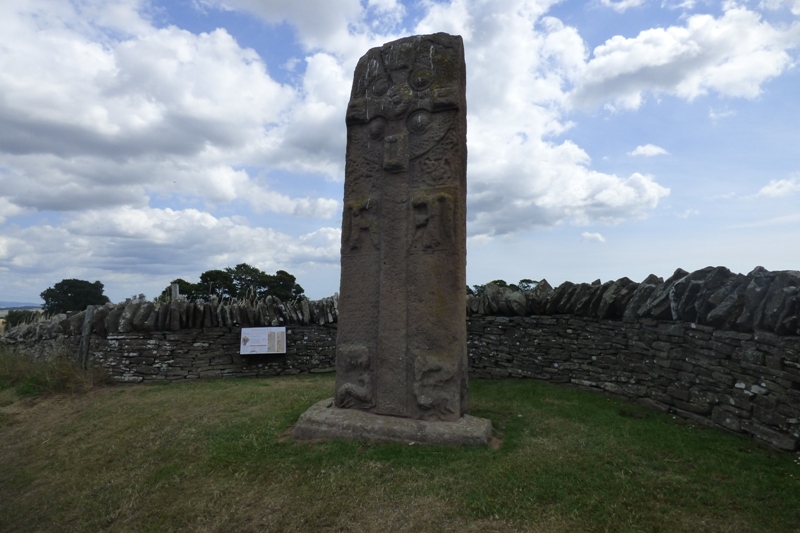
<point>523,285</point>
<point>15,317</point>
<point>240,282</point>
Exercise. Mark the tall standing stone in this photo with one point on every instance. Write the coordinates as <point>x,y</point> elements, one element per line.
<point>401,346</point>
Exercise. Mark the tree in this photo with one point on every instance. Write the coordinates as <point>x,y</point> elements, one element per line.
<point>284,286</point>
<point>527,284</point>
<point>242,282</point>
<point>72,295</point>
<point>248,281</point>
<point>217,283</point>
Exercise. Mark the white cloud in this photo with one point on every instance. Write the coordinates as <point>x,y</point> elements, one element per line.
<point>8,210</point>
<point>148,247</point>
<point>620,6</point>
<point>715,115</point>
<point>648,150</point>
<point>688,213</point>
<point>592,237</point>
<point>318,23</point>
<point>732,55</point>
<point>791,5</point>
<point>780,188</point>
<point>518,179</point>
<point>109,122</point>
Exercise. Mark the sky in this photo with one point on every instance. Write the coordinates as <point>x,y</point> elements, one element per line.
<point>147,140</point>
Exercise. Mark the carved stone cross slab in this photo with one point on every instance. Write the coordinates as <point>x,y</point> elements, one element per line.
<point>401,346</point>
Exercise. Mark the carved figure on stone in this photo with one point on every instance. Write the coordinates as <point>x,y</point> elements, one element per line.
<point>356,393</point>
<point>360,225</point>
<point>434,384</point>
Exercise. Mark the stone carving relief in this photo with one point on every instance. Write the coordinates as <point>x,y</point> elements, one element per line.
<point>434,222</point>
<point>434,384</point>
<point>358,392</point>
<point>360,228</point>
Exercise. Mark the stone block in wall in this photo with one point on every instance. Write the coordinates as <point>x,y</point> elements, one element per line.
<point>559,299</point>
<point>700,420</point>
<point>731,303</point>
<point>198,308</point>
<point>685,291</point>
<point>659,304</point>
<point>770,417</point>
<point>641,295</point>
<point>696,408</point>
<point>99,319</point>
<point>112,319</point>
<point>536,299</point>
<point>760,280</point>
<point>653,404</point>
<point>779,440</point>
<point>587,302</point>
<point>780,292</point>
<point>616,298</point>
<point>142,320</point>
<point>162,320</point>
<point>681,394</point>
<point>717,285</point>
<point>248,317</point>
<point>726,419</point>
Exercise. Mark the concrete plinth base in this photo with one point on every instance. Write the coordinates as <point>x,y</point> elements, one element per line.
<point>323,420</point>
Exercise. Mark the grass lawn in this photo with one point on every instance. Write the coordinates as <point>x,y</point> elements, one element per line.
<point>215,456</point>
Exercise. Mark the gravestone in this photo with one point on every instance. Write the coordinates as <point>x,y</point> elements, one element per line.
<point>401,352</point>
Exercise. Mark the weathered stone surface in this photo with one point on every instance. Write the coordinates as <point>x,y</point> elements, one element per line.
<point>326,421</point>
<point>537,298</point>
<point>725,304</point>
<point>401,347</point>
<point>660,305</point>
<point>641,295</point>
<point>559,300</point>
<point>781,293</point>
<point>144,318</point>
<point>126,319</point>
<point>760,280</point>
<point>686,290</point>
<point>616,298</point>
<point>112,319</point>
<point>716,285</point>
<point>99,319</point>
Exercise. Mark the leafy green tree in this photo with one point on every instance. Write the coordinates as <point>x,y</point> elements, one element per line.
<point>217,283</point>
<point>242,282</point>
<point>285,286</point>
<point>527,284</point>
<point>72,295</point>
<point>248,281</point>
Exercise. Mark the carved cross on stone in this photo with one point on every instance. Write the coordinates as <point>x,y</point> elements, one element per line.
<point>402,340</point>
<point>402,301</point>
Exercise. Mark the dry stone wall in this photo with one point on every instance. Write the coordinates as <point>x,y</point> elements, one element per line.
<point>747,383</point>
<point>717,348</point>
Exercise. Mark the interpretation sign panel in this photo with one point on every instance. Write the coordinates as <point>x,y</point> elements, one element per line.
<point>263,340</point>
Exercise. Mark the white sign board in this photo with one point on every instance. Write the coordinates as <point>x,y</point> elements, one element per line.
<point>263,340</point>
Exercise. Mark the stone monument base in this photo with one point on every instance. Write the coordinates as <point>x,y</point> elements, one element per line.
<point>323,420</point>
